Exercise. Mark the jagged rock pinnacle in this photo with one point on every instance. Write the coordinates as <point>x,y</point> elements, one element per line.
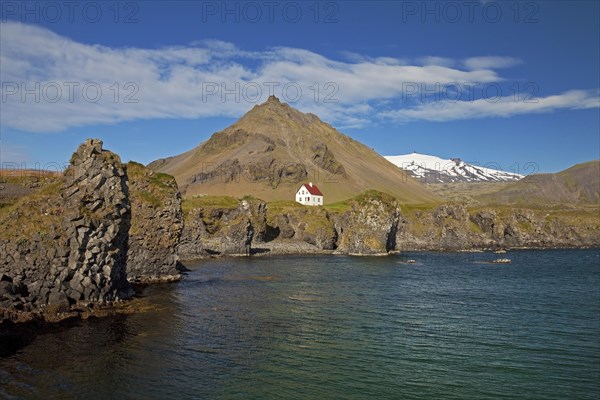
<point>273,99</point>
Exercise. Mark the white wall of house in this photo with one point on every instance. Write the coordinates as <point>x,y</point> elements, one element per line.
<point>304,197</point>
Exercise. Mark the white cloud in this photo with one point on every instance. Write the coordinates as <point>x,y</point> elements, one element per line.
<point>497,107</point>
<point>176,82</point>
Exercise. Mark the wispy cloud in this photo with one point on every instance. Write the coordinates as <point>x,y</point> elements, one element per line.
<point>212,78</point>
<point>499,107</point>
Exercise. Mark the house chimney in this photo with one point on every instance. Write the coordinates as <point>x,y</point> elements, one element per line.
<point>310,184</point>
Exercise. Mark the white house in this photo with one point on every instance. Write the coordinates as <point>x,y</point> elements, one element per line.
<point>309,195</point>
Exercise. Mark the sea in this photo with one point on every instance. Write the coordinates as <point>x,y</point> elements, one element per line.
<point>408,326</point>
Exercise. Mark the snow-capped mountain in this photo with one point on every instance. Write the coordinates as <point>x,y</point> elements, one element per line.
<point>431,169</point>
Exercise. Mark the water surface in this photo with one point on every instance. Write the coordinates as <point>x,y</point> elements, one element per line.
<point>332,327</point>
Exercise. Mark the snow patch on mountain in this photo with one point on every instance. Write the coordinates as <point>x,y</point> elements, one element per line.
<point>432,169</point>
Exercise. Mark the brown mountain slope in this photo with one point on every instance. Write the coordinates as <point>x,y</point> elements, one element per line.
<point>578,185</point>
<point>274,147</point>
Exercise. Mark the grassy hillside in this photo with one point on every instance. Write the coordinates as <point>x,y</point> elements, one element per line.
<point>578,185</point>
<point>273,148</point>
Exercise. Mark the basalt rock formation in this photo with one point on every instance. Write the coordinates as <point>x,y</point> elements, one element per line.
<point>68,243</point>
<point>76,240</point>
<point>81,239</point>
<point>375,223</point>
<point>366,226</point>
<point>223,230</point>
<point>156,226</point>
<point>454,226</point>
<point>311,225</point>
<point>370,226</point>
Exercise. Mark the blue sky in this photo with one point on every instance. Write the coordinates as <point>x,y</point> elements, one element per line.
<point>509,83</point>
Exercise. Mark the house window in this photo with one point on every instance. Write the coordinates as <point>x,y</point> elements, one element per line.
<point>299,198</point>
<point>308,199</point>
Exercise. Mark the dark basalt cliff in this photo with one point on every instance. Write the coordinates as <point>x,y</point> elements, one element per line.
<point>156,226</point>
<point>77,241</point>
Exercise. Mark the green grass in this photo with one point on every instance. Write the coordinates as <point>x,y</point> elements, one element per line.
<point>369,195</point>
<point>24,218</point>
<point>209,201</point>
<point>340,206</point>
<point>409,208</point>
<point>316,222</point>
<point>159,186</point>
<point>191,203</point>
<point>251,199</point>
<point>363,198</point>
<point>162,180</point>
<point>149,198</point>
<point>474,227</point>
<point>283,205</point>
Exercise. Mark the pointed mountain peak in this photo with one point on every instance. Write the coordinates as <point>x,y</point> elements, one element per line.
<point>273,99</point>
<point>274,110</point>
<point>273,104</point>
<point>274,147</point>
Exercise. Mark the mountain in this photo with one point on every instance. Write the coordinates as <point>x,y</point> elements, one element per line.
<point>578,185</point>
<point>431,169</point>
<point>273,148</point>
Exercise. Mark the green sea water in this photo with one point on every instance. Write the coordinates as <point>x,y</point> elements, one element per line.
<point>450,326</point>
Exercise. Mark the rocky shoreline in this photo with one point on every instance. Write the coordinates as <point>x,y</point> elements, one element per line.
<point>81,243</point>
<point>375,224</point>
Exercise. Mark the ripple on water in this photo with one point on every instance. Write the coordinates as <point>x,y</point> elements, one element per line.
<point>337,327</point>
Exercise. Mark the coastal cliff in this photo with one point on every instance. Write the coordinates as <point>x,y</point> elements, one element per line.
<point>365,225</point>
<point>369,227</point>
<point>455,226</point>
<point>79,239</point>
<point>223,226</point>
<point>374,223</point>
<point>156,226</point>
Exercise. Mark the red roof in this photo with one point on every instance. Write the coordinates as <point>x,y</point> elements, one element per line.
<point>314,190</point>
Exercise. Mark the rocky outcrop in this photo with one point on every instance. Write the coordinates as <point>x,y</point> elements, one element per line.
<point>78,240</point>
<point>366,227</point>
<point>324,158</point>
<point>267,169</point>
<point>156,226</point>
<point>219,230</point>
<point>97,208</point>
<point>75,249</point>
<point>374,224</point>
<point>454,226</point>
<point>312,225</point>
<point>370,226</point>
<point>248,227</point>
